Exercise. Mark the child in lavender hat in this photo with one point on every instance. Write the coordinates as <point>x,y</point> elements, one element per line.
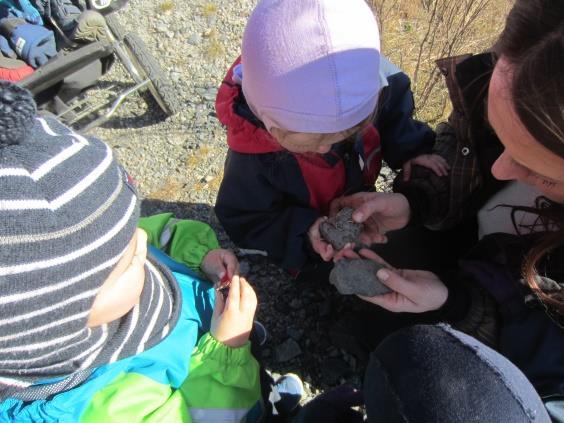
<point>311,108</point>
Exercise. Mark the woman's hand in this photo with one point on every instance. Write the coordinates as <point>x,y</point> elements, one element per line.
<point>379,211</point>
<point>220,264</point>
<point>413,291</point>
<point>232,318</point>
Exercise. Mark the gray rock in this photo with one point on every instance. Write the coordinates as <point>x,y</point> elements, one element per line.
<point>324,308</point>
<point>357,277</point>
<point>211,94</point>
<point>194,39</point>
<point>307,389</point>
<point>296,304</point>
<point>244,268</point>
<point>386,172</point>
<point>288,350</point>
<point>176,76</point>
<point>333,369</point>
<point>161,28</point>
<point>333,352</point>
<point>341,229</point>
<point>294,333</point>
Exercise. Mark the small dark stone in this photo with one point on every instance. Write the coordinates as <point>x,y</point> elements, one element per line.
<point>322,344</point>
<point>333,369</point>
<point>332,352</point>
<point>294,333</point>
<point>244,268</point>
<point>341,229</point>
<point>325,308</point>
<point>296,304</point>
<point>263,272</point>
<point>357,277</point>
<point>288,350</point>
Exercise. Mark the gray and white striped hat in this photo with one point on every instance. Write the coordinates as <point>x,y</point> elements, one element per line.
<point>67,213</point>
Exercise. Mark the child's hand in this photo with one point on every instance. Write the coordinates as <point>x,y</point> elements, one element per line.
<point>434,162</point>
<point>232,318</point>
<point>324,249</point>
<point>220,264</point>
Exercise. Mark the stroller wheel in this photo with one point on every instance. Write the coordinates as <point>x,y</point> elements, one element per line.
<point>115,27</point>
<point>160,85</point>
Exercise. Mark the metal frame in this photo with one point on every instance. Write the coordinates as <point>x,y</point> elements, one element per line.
<point>75,60</point>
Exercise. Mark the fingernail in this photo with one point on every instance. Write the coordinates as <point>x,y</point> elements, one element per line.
<point>382,274</point>
<point>358,216</point>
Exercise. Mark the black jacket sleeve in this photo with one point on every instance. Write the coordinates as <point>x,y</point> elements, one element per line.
<point>468,145</point>
<point>401,136</point>
<point>263,204</point>
<point>471,310</point>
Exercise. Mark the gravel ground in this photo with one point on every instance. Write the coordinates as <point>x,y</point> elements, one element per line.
<point>178,163</point>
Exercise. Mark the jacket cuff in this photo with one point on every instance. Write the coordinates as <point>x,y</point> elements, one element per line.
<point>457,304</point>
<point>219,352</point>
<point>471,310</point>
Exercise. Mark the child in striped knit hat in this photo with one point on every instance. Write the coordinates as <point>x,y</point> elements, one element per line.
<point>92,328</point>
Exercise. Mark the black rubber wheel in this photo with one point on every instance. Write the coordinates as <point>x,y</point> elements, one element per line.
<point>160,84</point>
<point>118,31</point>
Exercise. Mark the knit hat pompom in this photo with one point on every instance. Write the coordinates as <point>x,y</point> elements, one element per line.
<point>17,111</point>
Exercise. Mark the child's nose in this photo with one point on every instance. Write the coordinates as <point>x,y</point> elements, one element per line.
<point>505,168</point>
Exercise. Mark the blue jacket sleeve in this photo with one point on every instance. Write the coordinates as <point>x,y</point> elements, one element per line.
<point>402,137</point>
<point>263,204</point>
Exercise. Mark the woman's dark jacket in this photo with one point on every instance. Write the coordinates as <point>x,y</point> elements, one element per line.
<point>488,298</point>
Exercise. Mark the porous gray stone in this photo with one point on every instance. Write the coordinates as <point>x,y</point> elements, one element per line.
<point>287,350</point>
<point>358,276</point>
<point>341,229</point>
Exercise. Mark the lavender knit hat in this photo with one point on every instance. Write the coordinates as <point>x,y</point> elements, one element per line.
<point>311,65</point>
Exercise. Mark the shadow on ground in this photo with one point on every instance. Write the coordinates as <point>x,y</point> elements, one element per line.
<point>127,116</point>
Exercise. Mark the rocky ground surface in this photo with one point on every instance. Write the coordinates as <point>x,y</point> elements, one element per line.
<point>178,164</point>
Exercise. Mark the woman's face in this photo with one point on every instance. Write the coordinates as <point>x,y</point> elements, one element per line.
<point>524,159</point>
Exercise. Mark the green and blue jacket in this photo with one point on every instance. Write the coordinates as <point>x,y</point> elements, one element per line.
<point>187,377</point>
